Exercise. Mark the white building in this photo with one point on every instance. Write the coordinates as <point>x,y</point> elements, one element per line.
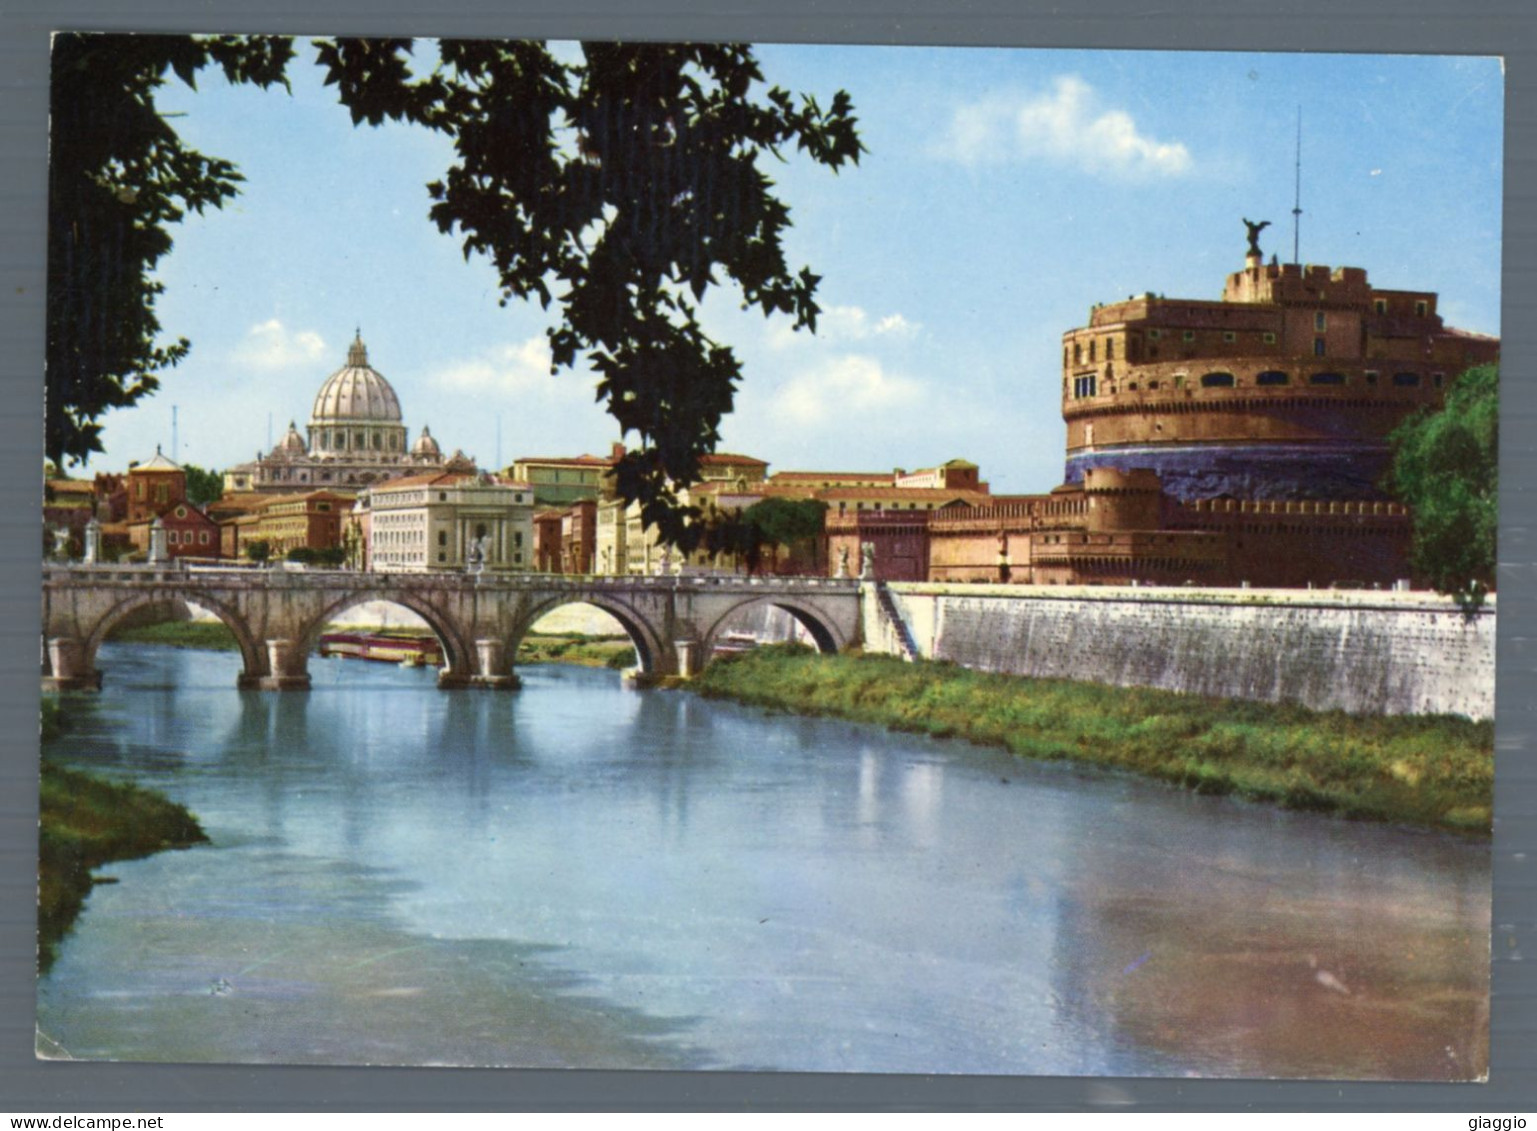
<point>450,521</point>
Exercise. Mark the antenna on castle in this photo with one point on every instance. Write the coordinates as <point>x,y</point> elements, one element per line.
<point>1297,200</point>
<point>173,435</point>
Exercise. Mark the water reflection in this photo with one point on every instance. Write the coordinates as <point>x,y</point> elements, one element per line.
<point>688,882</point>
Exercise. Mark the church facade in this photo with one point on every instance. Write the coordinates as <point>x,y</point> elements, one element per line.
<point>356,436</point>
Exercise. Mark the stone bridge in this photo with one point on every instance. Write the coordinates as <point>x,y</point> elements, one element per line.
<point>278,615</point>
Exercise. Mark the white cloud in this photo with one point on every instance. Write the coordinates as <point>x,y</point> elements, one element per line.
<point>270,345</point>
<point>1067,126</point>
<point>523,367</point>
<point>843,324</point>
<point>850,383</point>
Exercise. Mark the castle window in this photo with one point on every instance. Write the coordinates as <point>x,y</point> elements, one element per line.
<point>1154,335</point>
<point>1320,322</point>
<point>1229,336</point>
<point>1188,335</point>
<point>1091,349</point>
<point>1437,378</point>
<point>1380,306</point>
<point>1371,376</point>
<point>1217,381</point>
<point>1273,377</point>
<point>1422,308</point>
<point>442,537</point>
<point>1077,353</point>
<point>1269,339</point>
<point>1084,386</point>
<point>1405,380</point>
<point>1109,349</point>
<point>1327,379</point>
<point>1152,384</point>
<point>1318,347</point>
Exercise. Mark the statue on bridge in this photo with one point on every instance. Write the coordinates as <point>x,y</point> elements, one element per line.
<point>843,563</point>
<point>60,551</point>
<point>867,561</point>
<point>478,552</point>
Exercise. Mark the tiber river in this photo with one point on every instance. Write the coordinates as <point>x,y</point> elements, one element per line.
<point>576,874</point>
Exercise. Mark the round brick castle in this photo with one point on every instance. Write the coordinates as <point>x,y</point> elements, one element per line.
<point>1286,389</point>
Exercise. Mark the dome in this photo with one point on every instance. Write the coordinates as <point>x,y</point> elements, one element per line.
<point>426,446</point>
<point>292,443</point>
<point>356,393</point>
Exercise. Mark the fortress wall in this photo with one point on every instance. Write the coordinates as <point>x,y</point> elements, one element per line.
<point>1362,652</point>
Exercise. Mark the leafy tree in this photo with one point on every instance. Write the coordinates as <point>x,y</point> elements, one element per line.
<point>1446,468</point>
<point>258,551</point>
<point>118,178</point>
<point>768,524</point>
<point>622,188</point>
<point>203,487</point>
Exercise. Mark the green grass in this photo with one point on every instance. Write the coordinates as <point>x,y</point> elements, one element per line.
<point>1436,771</point>
<point>180,634</point>
<point>574,648</point>
<point>87,822</point>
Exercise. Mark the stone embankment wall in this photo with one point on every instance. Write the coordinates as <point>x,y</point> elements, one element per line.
<point>1362,652</point>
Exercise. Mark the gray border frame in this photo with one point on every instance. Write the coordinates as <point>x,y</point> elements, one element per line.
<point>1484,27</point>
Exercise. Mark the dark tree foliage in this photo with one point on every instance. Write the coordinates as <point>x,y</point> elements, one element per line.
<point>119,176</point>
<point>203,487</point>
<point>621,188</point>
<point>1446,468</point>
<point>769,524</point>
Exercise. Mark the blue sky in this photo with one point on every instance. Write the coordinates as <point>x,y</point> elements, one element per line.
<point>1004,193</point>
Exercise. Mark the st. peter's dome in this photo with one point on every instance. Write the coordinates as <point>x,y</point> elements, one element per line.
<point>355,393</point>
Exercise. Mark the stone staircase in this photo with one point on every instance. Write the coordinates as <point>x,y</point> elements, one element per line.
<point>893,617</point>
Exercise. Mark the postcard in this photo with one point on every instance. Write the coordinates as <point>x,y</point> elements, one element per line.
<point>769,557</point>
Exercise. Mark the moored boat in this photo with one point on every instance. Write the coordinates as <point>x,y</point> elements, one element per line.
<point>404,648</point>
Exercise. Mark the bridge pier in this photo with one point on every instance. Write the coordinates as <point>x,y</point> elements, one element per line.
<point>286,668</point>
<point>494,672</point>
<point>68,671</point>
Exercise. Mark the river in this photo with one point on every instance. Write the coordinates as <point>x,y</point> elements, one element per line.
<point>580,875</point>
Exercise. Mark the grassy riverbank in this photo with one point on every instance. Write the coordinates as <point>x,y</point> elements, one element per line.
<point>86,822</point>
<point>180,634</point>
<point>1435,771</point>
<point>588,651</point>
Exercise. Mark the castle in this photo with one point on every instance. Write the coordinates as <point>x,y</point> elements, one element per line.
<point>1242,440</point>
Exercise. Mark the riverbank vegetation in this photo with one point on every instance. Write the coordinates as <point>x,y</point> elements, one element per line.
<point>210,634</point>
<point>1435,771</point>
<point>86,822</point>
<point>575,648</point>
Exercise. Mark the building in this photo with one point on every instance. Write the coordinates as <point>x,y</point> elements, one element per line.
<point>1284,389</point>
<point>1220,443</point>
<point>189,533</point>
<point>315,520</point>
<point>547,540</point>
<point>448,521</point>
<point>355,436</point>
<point>558,481</point>
<point>153,486</point>
<point>578,537</point>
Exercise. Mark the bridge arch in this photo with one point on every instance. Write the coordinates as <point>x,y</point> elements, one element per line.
<point>824,631</point>
<point>253,658</point>
<point>457,652</point>
<point>650,651</point>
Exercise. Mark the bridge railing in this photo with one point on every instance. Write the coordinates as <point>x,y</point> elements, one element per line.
<point>175,572</point>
